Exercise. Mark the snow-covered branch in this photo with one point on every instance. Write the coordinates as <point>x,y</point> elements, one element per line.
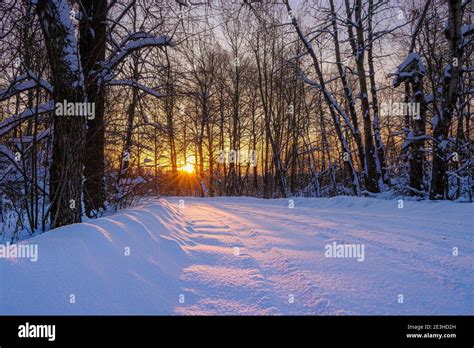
<point>13,121</point>
<point>411,67</point>
<point>156,125</point>
<point>23,83</point>
<point>130,46</point>
<point>135,84</point>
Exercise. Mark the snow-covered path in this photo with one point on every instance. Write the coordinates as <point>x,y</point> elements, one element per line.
<point>280,259</point>
<point>252,256</point>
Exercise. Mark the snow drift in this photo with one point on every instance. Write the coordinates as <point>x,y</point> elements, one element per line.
<point>251,256</point>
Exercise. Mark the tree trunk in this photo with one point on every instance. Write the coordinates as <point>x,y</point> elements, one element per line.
<point>450,95</point>
<point>379,147</point>
<point>92,46</point>
<point>332,107</point>
<point>69,131</point>
<point>355,129</point>
<point>358,49</point>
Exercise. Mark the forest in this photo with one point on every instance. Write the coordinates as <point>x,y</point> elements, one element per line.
<point>104,102</point>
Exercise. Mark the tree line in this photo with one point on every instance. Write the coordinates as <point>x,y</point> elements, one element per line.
<point>260,98</point>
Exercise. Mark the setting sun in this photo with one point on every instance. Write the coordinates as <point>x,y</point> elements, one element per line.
<point>189,168</point>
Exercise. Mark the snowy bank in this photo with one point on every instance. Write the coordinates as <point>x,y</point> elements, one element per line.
<point>241,255</point>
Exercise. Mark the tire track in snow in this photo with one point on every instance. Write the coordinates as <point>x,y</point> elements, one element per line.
<point>391,240</point>
<point>220,282</point>
<point>278,274</point>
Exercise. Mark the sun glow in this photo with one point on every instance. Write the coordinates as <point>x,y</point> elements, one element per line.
<point>188,168</point>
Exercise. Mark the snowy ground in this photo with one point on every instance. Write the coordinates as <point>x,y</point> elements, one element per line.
<point>251,256</point>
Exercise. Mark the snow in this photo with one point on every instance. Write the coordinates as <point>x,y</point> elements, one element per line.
<point>245,255</point>
<point>70,50</point>
<point>4,94</point>
<point>429,98</point>
<point>467,29</point>
<point>132,46</point>
<point>135,84</point>
<point>409,68</point>
<point>16,86</point>
<point>13,121</point>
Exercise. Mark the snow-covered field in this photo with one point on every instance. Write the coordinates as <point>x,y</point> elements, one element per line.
<point>251,256</point>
